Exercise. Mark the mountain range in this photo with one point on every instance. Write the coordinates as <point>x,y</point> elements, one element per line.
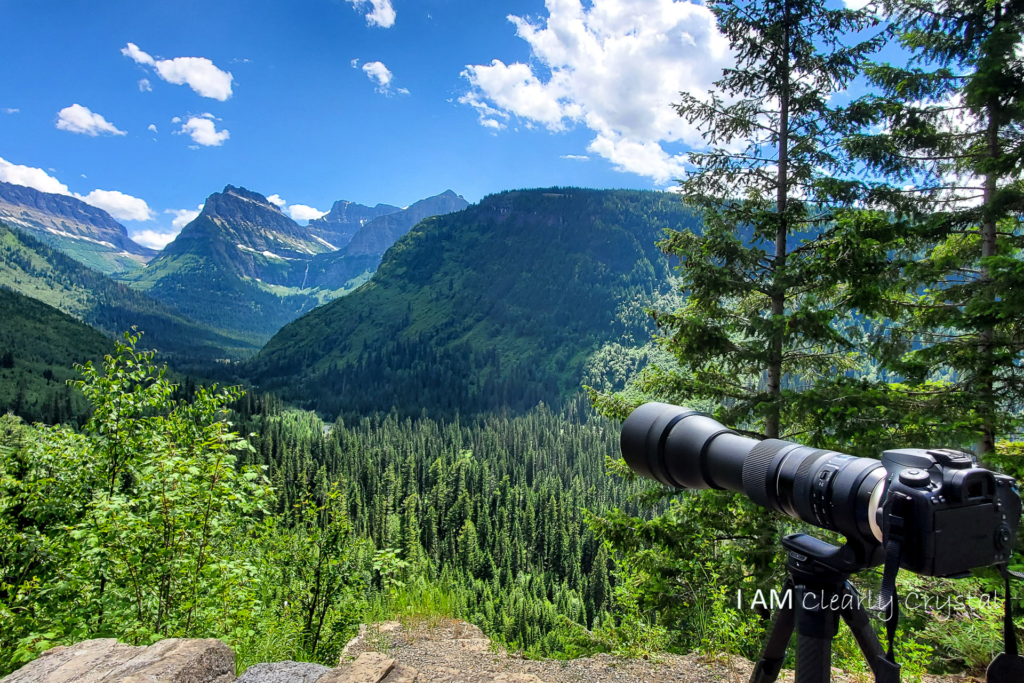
<point>343,221</point>
<point>244,266</point>
<point>86,233</point>
<point>438,307</point>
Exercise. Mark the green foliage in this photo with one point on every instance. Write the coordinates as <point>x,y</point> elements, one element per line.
<point>484,519</point>
<point>685,562</point>
<point>128,527</point>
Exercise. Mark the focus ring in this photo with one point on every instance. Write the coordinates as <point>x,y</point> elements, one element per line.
<point>755,470</point>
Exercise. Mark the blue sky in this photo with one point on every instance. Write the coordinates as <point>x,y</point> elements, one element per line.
<point>367,100</point>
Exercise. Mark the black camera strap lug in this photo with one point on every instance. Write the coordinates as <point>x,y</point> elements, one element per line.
<point>1007,667</point>
<point>888,600</point>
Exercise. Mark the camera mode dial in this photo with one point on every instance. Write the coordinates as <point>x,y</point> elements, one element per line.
<point>915,478</point>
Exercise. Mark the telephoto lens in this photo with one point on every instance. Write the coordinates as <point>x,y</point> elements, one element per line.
<point>686,449</point>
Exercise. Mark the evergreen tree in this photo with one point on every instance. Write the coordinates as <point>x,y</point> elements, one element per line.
<point>764,280</point>
<point>947,166</point>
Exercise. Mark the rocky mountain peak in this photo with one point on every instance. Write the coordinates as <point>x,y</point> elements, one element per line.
<point>234,200</point>
<point>344,220</point>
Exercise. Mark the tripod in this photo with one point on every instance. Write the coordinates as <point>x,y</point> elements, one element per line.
<point>819,596</point>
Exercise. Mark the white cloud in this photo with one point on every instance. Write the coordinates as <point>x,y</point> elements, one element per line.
<point>119,205</point>
<point>615,66</point>
<point>576,157</point>
<point>379,74</point>
<point>276,200</point>
<point>145,85</point>
<point>204,131</point>
<point>381,12</point>
<point>31,177</point>
<point>183,217</point>
<point>199,73</point>
<point>152,127</point>
<point>354,63</point>
<point>10,110</point>
<point>78,119</point>
<point>402,91</point>
<point>301,212</point>
<point>857,4</point>
<point>153,239</point>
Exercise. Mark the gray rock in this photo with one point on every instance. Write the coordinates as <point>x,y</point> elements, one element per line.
<point>369,667</point>
<point>283,672</point>
<point>105,660</point>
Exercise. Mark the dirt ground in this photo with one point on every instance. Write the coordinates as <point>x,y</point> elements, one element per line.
<point>450,651</point>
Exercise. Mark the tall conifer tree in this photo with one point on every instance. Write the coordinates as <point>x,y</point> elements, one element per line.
<point>945,162</point>
<point>764,279</point>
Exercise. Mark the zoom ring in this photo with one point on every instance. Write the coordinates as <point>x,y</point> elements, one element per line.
<point>755,471</point>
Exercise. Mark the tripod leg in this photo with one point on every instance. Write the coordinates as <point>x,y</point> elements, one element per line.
<point>856,617</point>
<point>766,669</point>
<point>817,625</point>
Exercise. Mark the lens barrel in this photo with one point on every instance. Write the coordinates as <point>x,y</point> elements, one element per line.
<point>686,449</point>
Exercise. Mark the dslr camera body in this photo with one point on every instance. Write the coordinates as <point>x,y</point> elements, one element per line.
<point>957,516</point>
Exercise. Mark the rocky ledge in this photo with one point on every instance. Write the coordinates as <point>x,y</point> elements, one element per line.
<point>434,651</point>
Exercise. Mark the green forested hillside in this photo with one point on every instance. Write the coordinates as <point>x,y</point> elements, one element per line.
<point>500,305</point>
<point>39,347</point>
<point>496,505</point>
<point>38,271</point>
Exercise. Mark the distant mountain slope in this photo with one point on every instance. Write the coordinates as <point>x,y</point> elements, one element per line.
<point>344,219</point>
<point>500,305</point>
<point>32,268</point>
<point>39,347</point>
<point>363,253</point>
<point>244,266</point>
<point>85,233</point>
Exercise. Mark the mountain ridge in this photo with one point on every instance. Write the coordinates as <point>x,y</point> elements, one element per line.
<point>344,220</point>
<point>85,232</point>
<point>34,269</point>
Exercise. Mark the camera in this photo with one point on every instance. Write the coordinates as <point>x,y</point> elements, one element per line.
<point>953,515</point>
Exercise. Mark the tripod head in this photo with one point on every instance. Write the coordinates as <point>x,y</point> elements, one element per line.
<point>815,558</point>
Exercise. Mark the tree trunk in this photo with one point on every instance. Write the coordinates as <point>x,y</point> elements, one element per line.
<point>775,345</point>
<point>987,444</point>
